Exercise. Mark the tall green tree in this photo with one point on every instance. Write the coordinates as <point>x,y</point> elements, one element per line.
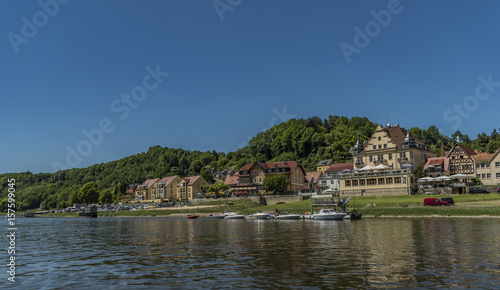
<point>106,196</point>
<point>89,193</point>
<point>275,183</point>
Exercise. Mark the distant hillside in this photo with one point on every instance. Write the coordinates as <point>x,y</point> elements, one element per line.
<point>305,140</point>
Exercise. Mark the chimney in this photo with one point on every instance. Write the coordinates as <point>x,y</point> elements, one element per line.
<point>442,150</point>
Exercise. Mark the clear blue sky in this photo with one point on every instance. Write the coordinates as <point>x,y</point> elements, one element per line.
<point>228,78</point>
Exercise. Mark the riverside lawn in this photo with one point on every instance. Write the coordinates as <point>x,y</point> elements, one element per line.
<point>465,205</point>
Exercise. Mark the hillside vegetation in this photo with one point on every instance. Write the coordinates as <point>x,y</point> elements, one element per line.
<point>304,140</point>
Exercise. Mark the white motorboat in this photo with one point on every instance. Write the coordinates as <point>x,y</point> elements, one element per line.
<point>291,216</point>
<point>259,216</point>
<point>233,215</point>
<point>327,214</point>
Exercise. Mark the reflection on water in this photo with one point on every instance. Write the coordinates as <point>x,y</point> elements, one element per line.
<point>118,253</point>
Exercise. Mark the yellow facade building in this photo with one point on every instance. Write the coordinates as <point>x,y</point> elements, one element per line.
<point>385,163</point>
<point>189,187</point>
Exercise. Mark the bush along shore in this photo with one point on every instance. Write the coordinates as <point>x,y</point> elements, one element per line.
<point>466,205</point>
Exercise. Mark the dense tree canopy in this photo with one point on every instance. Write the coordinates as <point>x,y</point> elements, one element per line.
<point>275,183</point>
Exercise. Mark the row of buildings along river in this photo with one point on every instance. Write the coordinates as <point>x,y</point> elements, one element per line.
<point>383,165</point>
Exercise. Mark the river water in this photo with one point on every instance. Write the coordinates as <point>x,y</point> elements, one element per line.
<point>178,253</point>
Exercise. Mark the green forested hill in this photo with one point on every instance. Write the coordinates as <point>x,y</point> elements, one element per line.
<point>304,140</point>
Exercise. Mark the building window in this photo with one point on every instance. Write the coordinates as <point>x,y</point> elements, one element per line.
<point>483,176</point>
<point>379,138</point>
<point>362,182</point>
<point>260,179</point>
<point>478,175</point>
<point>498,174</point>
<point>388,180</point>
<point>385,146</point>
<point>452,157</point>
<point>255,179</point>
<point>397,179</point>
<point>347,183</point>
<point>390,156</point>
<point>374,147</point>
<point>461,157</point>
<point>482,165</point>
<point>488,176</point>
<point>411,154</point>
<point>379,146</point>
<point>487,165</point>
<point>255,172</point>
<point>371,158</point>
<point>260,172</point>
<point>381,181</point>
<point>354,183</point>
<point>371,181</point>
<point>497,164</point>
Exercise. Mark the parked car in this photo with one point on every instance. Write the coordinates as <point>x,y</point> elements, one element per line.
<point>434,202</point>
<point>449,200</point>
<point>477,190</point>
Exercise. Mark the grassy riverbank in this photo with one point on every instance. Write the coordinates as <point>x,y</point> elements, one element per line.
<point>378,206</point>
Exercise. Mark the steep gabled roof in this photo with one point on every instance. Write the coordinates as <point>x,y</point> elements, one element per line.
<point>467,151</point>
<point>340,167</point>
<point>190,180</point>
<point>167,180</point>
<point>398,135</point>
<point>148,183</point>
<point>316,175</point>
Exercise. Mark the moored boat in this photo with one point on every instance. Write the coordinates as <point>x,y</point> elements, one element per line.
<point>233,215</point>
<point>192,216</point>
<point>259,216</point>
<point>327,214</point>
<point>291,216</point>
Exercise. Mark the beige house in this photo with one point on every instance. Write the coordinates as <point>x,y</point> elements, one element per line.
<point>189,187</point>
<point>166,188</point>
<point>384,164</point>
<point>144,190</point>
<point>461,160</point>
<point>488,167</point>
<point>251,176</point>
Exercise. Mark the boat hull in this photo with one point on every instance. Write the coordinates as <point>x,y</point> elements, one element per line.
<point>289,217</point>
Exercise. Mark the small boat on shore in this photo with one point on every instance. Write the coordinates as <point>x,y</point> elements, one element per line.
<point>233,215</point>
<point>28,214</point>
<point>327,214</point>
<point>291,216</point>
<point>192,216</point>
<point>259,216</point>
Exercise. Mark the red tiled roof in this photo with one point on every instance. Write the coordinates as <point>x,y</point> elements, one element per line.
<point>190,180</point>
<point>167,180</point>
<point>230,180</point>
<point>148,183</point>
<point>443,161</point>
<point>315,174</point>
<point>283,164</point>
<point>340,166</point>
<point>469,151</point>
<point>483,157</point>
<point>398,135</point>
